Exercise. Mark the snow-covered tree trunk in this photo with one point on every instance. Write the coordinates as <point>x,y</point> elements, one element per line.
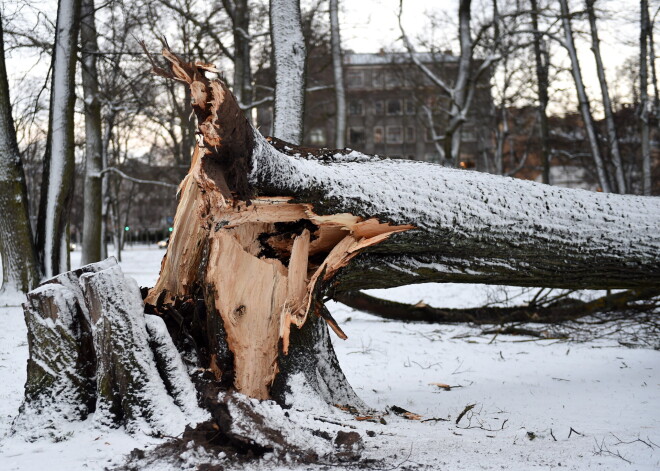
<point>607,103</point>
<point>644,98</point>
<point>93,350</point>
<point>289,58</point>
<point>264,230</point>
<point>338,71</point>
<point>93,192</point>
<point>585,107</point>
<point>58,173</point>
<point>19,261</point>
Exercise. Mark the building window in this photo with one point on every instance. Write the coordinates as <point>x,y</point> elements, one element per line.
<point>410,107</point>
<point>356,136</point>
<point>378,135</point>
<point>317,137</point>
<point>377,79</point>
<point>355,107</point>
<point>393,107</point>
<point>355,79</point>
<point>378,108</point>
<point>410,134</point>
<point>394,135</point>
<point>391,80</point>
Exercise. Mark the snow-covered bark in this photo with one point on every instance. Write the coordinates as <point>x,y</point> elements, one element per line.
<point>93,351</point>
<point>644,98</point>
<point>93,195</point>
<point>607,103</point>
<point>58,173</point>
<point>338,71</point>
<point>19,262</point>
<point>289,57</point>
<point>472,227</point>
<point>585,107</point>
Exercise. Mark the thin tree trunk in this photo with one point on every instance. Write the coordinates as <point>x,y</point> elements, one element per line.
<point>585,108</point>
<point>59,165</point>
<point>644,98</point>
<point>289,58</point>
<point>541,58</point>
<point>93,191</point>
<point>19,258</point>
<point>338,69</point>
<point>607,103</point>
<point>459,100</point>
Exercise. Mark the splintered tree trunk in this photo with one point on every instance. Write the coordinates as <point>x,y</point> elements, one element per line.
<point>265,231</point>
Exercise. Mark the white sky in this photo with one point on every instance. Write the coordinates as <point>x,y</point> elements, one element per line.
<point>369,25</point>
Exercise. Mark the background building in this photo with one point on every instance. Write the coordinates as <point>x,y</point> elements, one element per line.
<point>391,107</point>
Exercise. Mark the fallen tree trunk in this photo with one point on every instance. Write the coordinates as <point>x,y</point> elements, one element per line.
<point>562,311</point>
<point>264,230</point>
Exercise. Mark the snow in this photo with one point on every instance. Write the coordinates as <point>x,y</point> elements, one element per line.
<point>520,386</point>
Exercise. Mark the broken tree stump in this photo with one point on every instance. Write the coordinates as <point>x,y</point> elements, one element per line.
<point>93,351</point>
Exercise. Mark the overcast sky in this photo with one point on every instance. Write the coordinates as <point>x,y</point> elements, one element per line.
<point>369,25</point>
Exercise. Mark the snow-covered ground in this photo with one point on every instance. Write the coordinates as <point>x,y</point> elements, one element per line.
<point>537,403</point>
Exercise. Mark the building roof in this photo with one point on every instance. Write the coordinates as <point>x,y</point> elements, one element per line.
<point>385,58</point>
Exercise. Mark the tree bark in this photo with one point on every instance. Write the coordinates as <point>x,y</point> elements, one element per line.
<point>93,192</point>
<point>644,98</point>
<point>541,58</point>
<point>289,58</point>
<point>58,167</point>
<point>17,252</point>
<point>92,349</point>
<point>585,107</point>
<point>265,229</point>
<point>338,70</point>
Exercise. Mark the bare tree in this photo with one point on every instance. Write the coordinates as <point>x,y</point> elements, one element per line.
<point>57,179</point>
<point>19,258</point>
<point>289,59</point>
<point>542,62</point>
<point>461,93</point>
<point>644,96</point>
<point>583,100</point>
<point>607,103</point>
<point>338,70</point>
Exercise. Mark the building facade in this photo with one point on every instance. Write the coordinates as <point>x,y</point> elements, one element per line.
<point>392,107</point>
